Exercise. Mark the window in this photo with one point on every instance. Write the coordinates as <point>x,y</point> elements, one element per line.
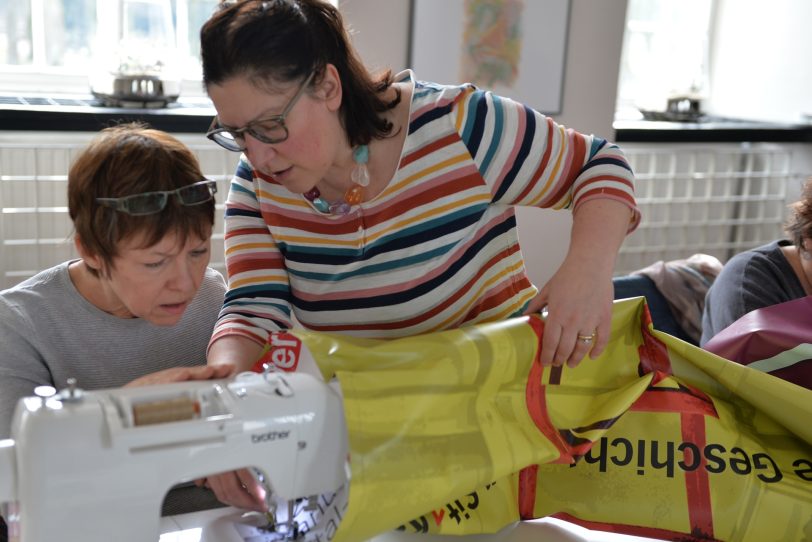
<point>665,53</point>
<point>61,41</point>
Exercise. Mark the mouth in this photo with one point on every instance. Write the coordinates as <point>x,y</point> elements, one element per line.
<point>280,174</point>
<point>175,308</point>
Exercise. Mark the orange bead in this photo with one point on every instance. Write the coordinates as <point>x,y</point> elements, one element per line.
<point>354,195</point>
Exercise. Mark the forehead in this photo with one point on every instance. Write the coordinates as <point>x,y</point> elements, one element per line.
<point>172,242</point>
<point>240,100</point>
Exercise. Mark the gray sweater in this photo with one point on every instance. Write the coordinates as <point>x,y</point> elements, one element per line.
<point>49,333</point>
<point>750,280</point>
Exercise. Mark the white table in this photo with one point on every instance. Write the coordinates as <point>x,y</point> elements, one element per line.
<point>218,526</point>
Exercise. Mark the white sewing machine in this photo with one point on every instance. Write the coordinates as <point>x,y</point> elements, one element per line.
<point>95,464</point>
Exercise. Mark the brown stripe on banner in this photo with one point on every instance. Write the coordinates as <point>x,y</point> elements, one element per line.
<point>555,374</point>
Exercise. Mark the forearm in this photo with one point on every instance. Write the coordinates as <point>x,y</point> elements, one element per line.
<point>599,228</point>
<point>237,350</point>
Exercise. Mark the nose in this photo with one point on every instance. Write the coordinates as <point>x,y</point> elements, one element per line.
<point>184,276</point>
<point>259,154</point>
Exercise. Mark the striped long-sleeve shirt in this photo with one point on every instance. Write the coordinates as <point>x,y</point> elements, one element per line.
<point>437,249</point>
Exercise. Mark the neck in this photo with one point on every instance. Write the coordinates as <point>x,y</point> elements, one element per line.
<point>338,175</point>
<point>353,184</point>
<point>95,291</point>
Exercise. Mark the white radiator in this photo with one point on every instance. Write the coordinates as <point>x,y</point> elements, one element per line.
<point>35,229</point>
<point>717,199</point>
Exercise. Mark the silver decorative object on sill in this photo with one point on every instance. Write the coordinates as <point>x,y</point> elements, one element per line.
<point>142,71</point>
<point>122,90</point>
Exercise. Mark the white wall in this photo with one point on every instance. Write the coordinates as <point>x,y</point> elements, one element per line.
<point>594,41</point>
<point>380,31</point>
<point>761,60</point>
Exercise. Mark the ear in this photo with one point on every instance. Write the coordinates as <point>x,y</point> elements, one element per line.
<point>331,88</point>
<point>91,260</point>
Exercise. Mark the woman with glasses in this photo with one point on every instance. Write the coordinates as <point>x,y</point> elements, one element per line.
<point>382,206</point>
<point>140,303</point>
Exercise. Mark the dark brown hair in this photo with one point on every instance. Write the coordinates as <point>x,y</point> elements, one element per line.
<point>273,41</point>
<point>799,223</point>
<point>132,159</point>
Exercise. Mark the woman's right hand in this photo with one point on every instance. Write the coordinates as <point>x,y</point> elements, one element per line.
<point>235,350</point>
<point>238,488</point>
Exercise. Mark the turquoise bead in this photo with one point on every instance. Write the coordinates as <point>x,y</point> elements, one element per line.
<point>361,154</point>
<point>321,205</point>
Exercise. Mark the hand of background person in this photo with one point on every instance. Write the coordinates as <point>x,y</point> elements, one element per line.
<point>237,488</point>
<point>578,303</point>
<point>183,374</point>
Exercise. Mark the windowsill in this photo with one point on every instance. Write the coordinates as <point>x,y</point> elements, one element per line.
<point>710,130</point>
<point>81,114</point>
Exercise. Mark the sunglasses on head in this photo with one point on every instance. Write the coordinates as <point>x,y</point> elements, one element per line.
<point>148,203</point>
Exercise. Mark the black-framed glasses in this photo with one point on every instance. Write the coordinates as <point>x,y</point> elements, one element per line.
<point>148,203</point>
<point>268,130</point>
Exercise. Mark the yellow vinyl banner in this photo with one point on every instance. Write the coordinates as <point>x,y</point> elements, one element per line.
<point>463,432</point>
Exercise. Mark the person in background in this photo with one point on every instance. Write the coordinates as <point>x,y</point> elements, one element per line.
<point>774,273</point>
<point>140,303</point>
<point>382,206</point>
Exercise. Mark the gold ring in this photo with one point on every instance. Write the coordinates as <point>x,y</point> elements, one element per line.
<point>586,338</point>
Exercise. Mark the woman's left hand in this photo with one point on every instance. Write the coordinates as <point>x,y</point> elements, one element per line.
<point>579,315</point>
<point>579,296</point>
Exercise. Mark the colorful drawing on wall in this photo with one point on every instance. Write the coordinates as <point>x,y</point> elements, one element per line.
<point>492,42</point>
<point>515,48</point>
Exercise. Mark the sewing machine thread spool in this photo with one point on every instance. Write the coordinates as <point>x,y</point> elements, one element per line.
<point>166,410</point>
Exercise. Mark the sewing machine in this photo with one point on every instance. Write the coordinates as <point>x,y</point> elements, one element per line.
<point>96,464</point>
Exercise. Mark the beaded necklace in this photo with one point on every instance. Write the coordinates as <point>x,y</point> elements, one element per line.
<point>354,194</point>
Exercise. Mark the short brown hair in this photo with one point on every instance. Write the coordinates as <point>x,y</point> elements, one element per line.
<point>281,41</point>
<point>799,223</point>
<point>131,159</point>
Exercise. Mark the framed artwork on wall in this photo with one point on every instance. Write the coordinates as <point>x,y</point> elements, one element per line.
<point>515,48</point>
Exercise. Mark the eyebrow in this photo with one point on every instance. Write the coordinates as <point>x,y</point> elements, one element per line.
<point>261,116</point>
<point>198,246</point>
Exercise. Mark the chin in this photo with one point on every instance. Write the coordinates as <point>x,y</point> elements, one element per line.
<point>164,320</point>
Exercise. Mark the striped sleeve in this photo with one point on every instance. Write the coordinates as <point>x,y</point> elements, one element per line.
<point>258,297</point>
<point>527,159</point>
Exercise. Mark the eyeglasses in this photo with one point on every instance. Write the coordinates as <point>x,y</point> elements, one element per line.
<point>149,203</point>
<point>268,130</point>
